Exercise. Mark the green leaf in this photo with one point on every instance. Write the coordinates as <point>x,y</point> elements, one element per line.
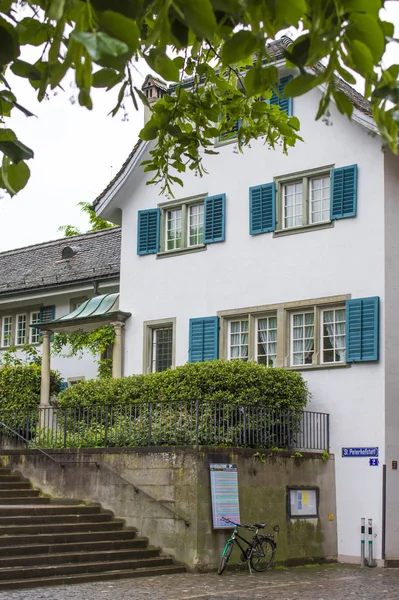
<point>7,135</point>
<point>199,16</point>
<point>57,73</point>
<point>259,79</point>
<point>105,78</point>
<point>346,75</point>
<point>300,85</point>
<point>34,32</point>
<point>149,132</point>
<point>179,62</point>
<point>16,150</point>
<point>371,7</point>
<point>18,175</point>
<point>362,57</point>
<point>56,9</point>
<point>5,6</point>
<point>100,45</point>
<point>25,69</point>
<point>387,28</point>
<point>298,52</point>
<point>343,103</point>
<point>239,47</point>
<point>10,98</point>
<point>9,48</point>
<point>120,27</point>
<point>366,29</point>
<point>163,65</point>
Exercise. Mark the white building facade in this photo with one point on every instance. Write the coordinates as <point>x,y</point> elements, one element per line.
<point>291,261</point>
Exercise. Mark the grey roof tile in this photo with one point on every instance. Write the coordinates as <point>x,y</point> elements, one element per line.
<point>96,255</point>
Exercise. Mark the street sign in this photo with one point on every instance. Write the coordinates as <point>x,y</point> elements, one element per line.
<point>373,462</point>
<point>359,452</point>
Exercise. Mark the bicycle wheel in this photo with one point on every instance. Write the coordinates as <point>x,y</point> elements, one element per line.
<point>262,556</point>
<point>225,556</point>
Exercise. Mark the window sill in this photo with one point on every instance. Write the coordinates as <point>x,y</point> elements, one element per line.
<point>317,367</point>
<point>168,253</point>
<point>226,142</point>
<point>304,229</point>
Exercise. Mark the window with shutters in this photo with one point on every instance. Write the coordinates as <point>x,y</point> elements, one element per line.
<point>34,334</point>
<point>304,334</point>
<point>159,345</point>
<point>20,335</point>
<point>189,225</point>
<point>303,199</point>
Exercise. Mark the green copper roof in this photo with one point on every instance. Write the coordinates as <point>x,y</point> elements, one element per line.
<point>94,307</point>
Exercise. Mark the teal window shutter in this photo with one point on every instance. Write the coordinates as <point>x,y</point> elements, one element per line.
<point>203,339</point>
<point>47,313</point>
<point>148,231</point>
<point>279,99</point>
<point>262,208</point>
<point>343,192</point>
<point>214,218</point>
<point>362,329</point>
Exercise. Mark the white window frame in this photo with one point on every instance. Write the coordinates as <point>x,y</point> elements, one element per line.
<point>240,333</point>
<point>268,342</point>
<point>327,309</point>
<point>17,322</point>
<point>4,342</point>
<point>304,177</point>
<point>184,206</point>
<point>149,327</point>
<point>304,312</point>
<point>34,334</point>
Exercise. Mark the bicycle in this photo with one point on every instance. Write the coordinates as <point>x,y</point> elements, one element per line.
<point>260,552</point>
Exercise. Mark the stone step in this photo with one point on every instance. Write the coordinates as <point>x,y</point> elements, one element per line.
<point>15,493</point>
<point>6,478</point>
<point>14,500</point>
<point>79,557</point>
<point>44,529</point>
<point>85,567</point>
<point>48,519</point>
<point>39,582</point>
<point>61,538</point>
<point>50,509</point>
<point>83,547</point>
<point>6,486</point>
<point>5,471</point>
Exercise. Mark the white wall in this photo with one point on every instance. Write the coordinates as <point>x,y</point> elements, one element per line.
<point>257,270</point>
<point>392,353</point>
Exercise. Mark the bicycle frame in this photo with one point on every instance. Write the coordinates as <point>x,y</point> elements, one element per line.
<point>235,536</point>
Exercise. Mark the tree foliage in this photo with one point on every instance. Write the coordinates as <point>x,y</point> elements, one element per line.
<point>220,45</point>
<point>96,224</point>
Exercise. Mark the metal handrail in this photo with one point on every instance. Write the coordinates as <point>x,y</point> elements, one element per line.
<point>102,465</point>
<point>27,441</point>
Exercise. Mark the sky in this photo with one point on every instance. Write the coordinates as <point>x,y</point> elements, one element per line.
<point>77,152</point>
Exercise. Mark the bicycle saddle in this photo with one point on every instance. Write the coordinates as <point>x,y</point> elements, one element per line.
<point>260,525</point>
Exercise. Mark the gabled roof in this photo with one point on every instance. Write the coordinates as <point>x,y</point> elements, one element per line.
<point>92,256</point>
<point>276,50</point>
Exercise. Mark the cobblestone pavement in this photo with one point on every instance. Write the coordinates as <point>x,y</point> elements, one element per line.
<point>334,582</point>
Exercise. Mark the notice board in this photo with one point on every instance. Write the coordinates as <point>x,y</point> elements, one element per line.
<point>224,490</point>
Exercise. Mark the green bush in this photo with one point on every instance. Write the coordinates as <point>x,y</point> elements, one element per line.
<point>20,388</point>
<point>237,382</point>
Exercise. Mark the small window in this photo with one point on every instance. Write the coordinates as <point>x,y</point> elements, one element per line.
<point>20,338</point>
<point>231,134</point>
<point>6,331</point>
<point>162,349</point>
<point>238,340</point>
<point>159,345</point>
<point>266,341</point>
<point>333,335</point>
<point>303,200</point>
<point>302,338</point>
<point>34,334</point>
<point>182,225</point>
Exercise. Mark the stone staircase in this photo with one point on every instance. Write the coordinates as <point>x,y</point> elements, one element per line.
<point>55,542</point>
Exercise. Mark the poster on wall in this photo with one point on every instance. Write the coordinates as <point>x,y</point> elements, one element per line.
<point>224,491</point>
<point>303,503</point>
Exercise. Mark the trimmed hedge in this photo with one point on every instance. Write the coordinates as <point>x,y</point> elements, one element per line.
<point>20,387</point>
<point>235,381</point>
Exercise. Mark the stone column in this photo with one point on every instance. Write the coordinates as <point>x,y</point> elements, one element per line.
<point>117,352</point>
<point>45,381</point>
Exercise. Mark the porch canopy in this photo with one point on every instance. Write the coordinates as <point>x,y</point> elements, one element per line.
<point>95,312</point>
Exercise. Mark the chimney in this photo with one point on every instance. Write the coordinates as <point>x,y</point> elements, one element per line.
<point>153,89</point>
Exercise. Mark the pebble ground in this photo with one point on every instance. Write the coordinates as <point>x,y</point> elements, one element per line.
<point>331,582</point>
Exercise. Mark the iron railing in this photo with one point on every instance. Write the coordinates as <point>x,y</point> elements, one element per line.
<point>168,424</point>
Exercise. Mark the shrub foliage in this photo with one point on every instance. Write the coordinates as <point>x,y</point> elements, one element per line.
<point>20,387</point>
